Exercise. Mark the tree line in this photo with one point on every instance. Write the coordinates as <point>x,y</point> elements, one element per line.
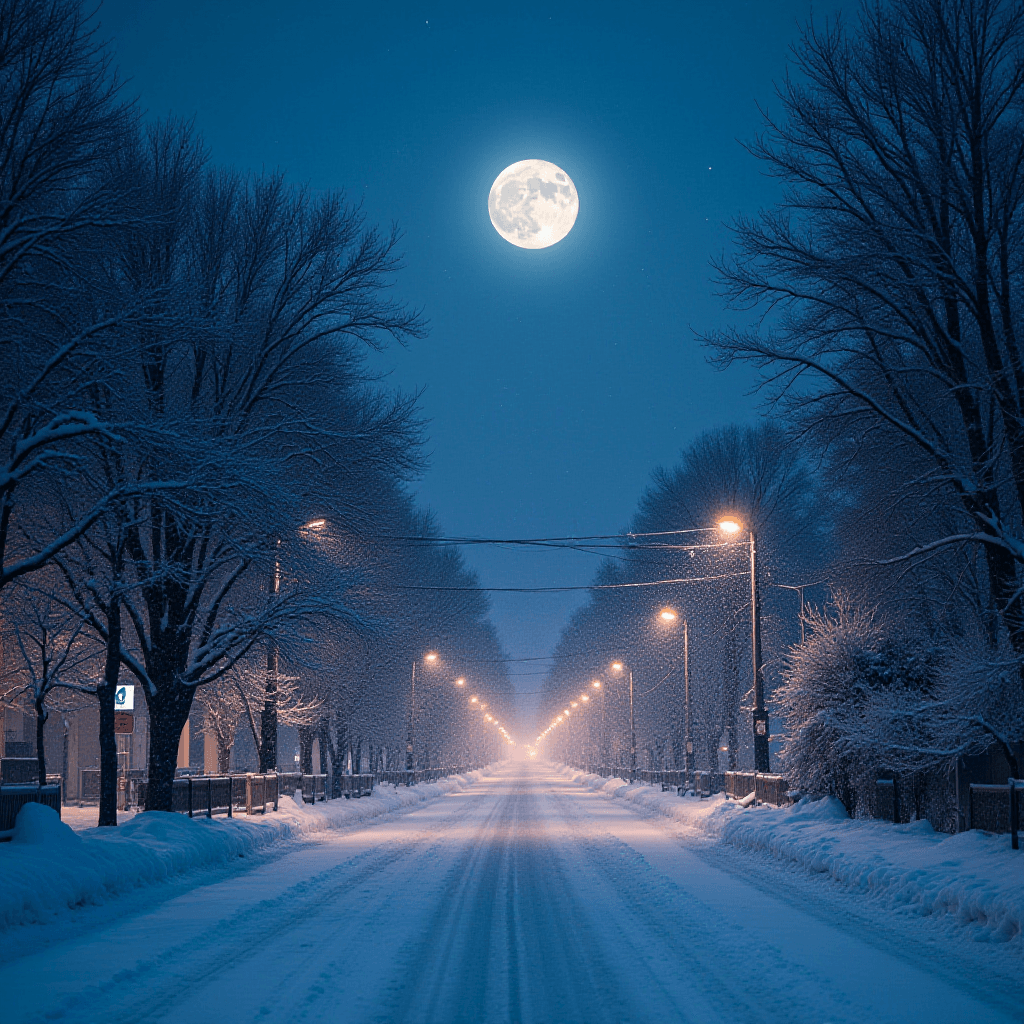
<point>880,299</point>
<point>203,489</point>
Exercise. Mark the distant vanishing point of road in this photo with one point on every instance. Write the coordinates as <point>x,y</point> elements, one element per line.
<point>523,899</point>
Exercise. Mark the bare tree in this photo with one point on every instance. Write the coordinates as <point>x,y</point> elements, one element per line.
<point>52,653</point>
<point>892,267</point>
<point>61,124</point>
<point>255,369</point>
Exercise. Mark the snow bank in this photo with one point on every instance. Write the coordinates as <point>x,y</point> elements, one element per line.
<point>48,867</point>
<point>973,878</point>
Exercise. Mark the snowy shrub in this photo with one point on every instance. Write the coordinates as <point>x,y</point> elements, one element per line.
<point>852,697</point>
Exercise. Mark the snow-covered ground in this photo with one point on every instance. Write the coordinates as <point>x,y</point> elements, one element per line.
<point>972,880</point>
<point>524,897</point>
<point>52,866</point>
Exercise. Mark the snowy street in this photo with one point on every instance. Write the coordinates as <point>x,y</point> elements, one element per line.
<point>522,898</point>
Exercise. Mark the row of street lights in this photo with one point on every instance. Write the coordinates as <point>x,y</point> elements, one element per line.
<point>432,658</point>
<point>759,715</point>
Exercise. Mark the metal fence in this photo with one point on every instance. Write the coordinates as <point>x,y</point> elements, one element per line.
<point>768,789</point>
<point>997,808</point>
<point>14,797</point>
<point>224,794</point>
<point>410,778</point>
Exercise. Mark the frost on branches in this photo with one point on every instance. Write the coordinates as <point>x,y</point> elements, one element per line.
<point>867,697</point>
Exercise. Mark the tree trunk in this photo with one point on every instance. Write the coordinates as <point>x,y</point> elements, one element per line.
<point>108,739</point>
<point>268,720</point>
<point>168,713</point>
<point>223,754</point>
<point>108,756</point>
<point>306,749</point>
<point>41,716</point>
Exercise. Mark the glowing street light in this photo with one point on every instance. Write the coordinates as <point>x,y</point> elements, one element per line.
<point>460,682</point>
<point>617,666</point>
<point>668,615</point>
<point>759,715</point>
<point>431,659</point>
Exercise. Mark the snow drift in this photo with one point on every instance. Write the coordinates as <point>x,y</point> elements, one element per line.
<point>973,878</point>
<point>48,868</point>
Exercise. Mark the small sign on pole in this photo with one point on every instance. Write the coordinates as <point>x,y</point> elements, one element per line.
<point>124,722</point>
<point>124,698</point>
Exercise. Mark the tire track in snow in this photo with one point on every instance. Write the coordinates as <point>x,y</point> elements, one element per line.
<point>508,940</point>
<point>183,969</point>
<point>687,935</point>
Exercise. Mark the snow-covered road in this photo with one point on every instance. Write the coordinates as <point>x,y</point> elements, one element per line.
<point>523,898</point>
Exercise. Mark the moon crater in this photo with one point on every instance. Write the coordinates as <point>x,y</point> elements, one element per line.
<point>533,204</point>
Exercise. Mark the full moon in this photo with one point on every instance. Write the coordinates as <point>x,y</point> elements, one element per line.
<point>533,204</point>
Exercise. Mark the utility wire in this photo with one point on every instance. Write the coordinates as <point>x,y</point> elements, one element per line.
<point>561,590</point>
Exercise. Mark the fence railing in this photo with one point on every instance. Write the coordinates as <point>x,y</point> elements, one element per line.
<point>349,786</point>
<point>224,794</point>
<point>410,778</point>
<point>769,789</point>
<point>14,797</point>
<point>994,808</point>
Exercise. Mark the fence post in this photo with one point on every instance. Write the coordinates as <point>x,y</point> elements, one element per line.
<point>231,793</point>
<point>1014,824</point>
<point>190,796</point>
<point>248,793</point>
<point>209,797</point>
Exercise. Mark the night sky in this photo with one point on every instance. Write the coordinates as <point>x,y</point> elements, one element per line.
<point>555,380</point>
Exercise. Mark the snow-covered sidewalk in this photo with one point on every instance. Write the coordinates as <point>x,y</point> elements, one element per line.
<point>50,867</point>
<point>974,878</point>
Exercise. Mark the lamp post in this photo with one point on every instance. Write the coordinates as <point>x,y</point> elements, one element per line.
<point>617,666</point>
<point>800,590</point>
<point>668,615</point>
<point>759,715</point>
<point>596,684</point>
<point>410,761</point>
<point>268,718</point>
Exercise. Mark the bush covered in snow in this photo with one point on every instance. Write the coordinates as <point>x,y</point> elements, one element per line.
<point>865,696</point>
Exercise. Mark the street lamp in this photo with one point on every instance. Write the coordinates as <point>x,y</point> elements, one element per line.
<point>668,615</point>
<point>602,752</point>
<point>800,590</point>
<point>430,658</point>
<point>759,715</point>
<point>617,666</point>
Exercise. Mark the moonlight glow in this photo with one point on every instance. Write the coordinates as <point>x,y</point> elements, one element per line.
<point>533,204</point>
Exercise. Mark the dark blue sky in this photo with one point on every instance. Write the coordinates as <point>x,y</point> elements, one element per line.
<point>557,379</point>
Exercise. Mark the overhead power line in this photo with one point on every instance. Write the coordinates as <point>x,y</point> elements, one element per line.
<point>562,590</point>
